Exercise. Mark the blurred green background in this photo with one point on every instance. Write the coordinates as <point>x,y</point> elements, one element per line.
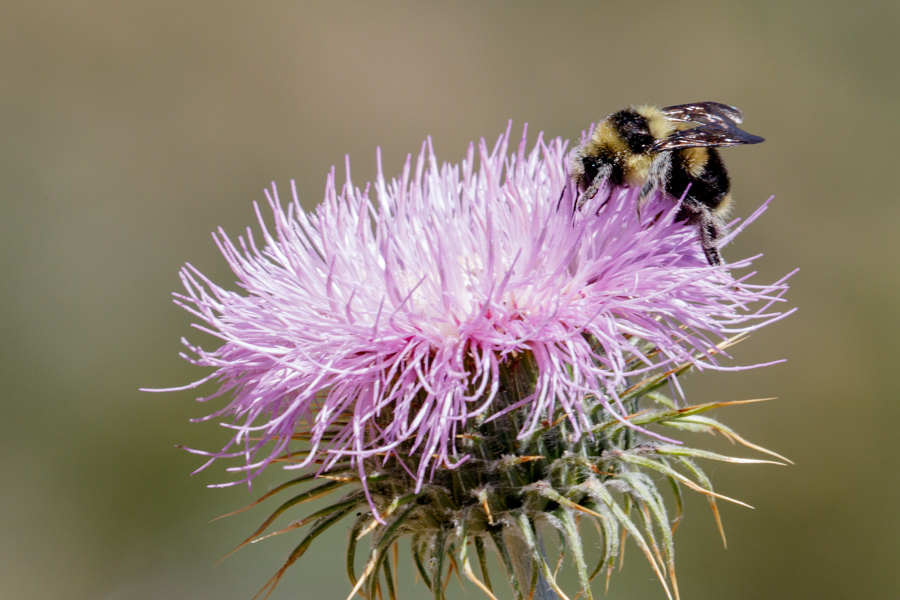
<point>130,131</point>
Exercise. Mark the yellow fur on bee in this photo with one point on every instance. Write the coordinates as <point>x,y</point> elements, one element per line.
<point>637,169</point>
<point>724,206</point>
<point>660,127</point>
<point>605,136</point>
<point>695,160</point>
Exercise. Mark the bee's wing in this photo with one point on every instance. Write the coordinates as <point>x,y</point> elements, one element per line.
<point>705,136</point>
<point>707,113</point>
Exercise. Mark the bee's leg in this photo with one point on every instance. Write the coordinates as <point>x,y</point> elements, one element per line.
<point>589,193</point>
<point>710,231</point>
<point>708,235</point>
<point>710,226</point>
<point>657,179</point>
<point>647,189</point>
<point>603,173</point>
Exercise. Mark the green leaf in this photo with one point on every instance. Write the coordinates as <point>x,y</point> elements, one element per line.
<point>573,537</point>
<point>500,544</point>
<point>599,491</point>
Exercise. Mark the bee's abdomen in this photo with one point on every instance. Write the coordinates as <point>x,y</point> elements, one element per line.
<point>709,184</point>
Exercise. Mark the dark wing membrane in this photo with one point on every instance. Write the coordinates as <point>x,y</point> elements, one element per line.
<point>707,113</point>
<point>705,136</point>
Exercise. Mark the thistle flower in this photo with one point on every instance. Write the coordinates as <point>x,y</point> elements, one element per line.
<point>468,354</point>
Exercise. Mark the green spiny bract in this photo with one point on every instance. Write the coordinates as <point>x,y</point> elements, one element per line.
<point>510,487</point>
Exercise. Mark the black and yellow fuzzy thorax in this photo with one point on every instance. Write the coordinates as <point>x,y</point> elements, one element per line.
<point>622,144</point>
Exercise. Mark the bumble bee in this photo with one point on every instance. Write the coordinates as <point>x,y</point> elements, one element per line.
<point>656,149</point>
